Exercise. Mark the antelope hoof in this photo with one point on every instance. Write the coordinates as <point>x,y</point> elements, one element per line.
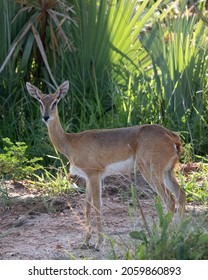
<point>99,242</point>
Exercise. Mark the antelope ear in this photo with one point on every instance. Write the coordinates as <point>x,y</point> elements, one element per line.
<point>62,90</point>
<point>33,91</point>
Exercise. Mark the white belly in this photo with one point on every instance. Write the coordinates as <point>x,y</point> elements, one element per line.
<point>124,166</point>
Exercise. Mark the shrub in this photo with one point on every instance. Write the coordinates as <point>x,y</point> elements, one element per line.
<point>167,240</point>
<point>14,162</point>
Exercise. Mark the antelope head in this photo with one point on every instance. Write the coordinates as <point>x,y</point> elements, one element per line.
<point>48,102</point>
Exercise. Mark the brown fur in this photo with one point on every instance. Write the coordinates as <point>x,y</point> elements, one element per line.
<point>152,149</point>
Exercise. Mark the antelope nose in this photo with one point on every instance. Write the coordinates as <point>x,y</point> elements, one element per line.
<point>45,118</point>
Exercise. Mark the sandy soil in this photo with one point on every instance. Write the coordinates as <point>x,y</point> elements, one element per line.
<point>38,227</point>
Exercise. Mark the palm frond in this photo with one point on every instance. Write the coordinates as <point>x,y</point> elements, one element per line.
<point>38,12</point>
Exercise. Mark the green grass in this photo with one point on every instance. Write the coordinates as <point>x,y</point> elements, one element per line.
<point>161,238</point>
<point>147,74</point>
<point>196,183</point>
<point>166,239</point>
<point>124,72</point>
<point>15,166</point>
<point>5,200</point>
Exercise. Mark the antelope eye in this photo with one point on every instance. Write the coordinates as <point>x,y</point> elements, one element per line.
<point>53,105</point>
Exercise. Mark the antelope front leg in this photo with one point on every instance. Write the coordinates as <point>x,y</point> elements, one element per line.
<point>95,183</point>
<point>88,203</point>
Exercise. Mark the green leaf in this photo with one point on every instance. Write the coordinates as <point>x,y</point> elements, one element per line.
<point>159,208</point>
<point>141,235</point>
<point>203,238</point>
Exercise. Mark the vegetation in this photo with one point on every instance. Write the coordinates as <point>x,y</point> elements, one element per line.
<point>14,163</point>
<point>195,182</point>
<point>128,63</point>
<point>169,241</point>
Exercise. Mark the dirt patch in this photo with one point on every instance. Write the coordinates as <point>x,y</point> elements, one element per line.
<point>39,227</point>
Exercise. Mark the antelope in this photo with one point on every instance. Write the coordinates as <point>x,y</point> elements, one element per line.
<point>95,154</point>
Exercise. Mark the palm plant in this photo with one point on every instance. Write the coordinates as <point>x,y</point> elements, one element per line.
<point>108,49</point>
<point>37,45</point>
<point>124,66</point>
<point>179,53</point>
<point>34,34</point>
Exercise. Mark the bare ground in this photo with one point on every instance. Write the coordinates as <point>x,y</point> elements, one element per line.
<point>38,227</point>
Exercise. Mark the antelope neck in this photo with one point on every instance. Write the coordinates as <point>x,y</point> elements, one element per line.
<point>58,136</point>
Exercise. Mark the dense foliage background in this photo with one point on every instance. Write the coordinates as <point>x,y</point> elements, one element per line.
<point>128,63</point>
